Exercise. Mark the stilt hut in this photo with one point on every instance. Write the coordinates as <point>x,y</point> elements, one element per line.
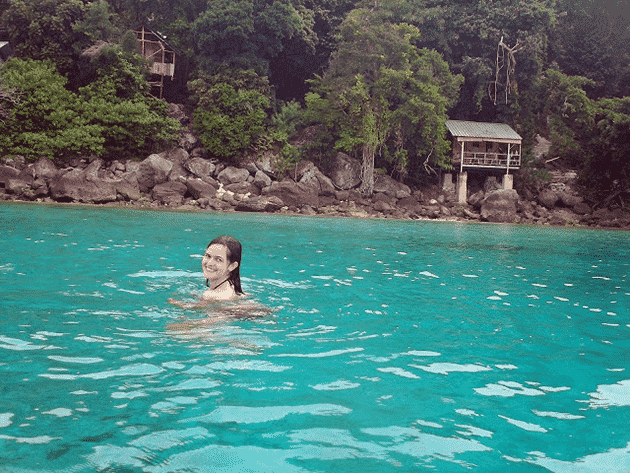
<point>163,56</point>
<point>481,146</point>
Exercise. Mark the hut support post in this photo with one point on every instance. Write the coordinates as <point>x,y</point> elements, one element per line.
<point>462,187</point>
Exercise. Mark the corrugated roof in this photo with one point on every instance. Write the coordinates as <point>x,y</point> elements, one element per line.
<point>499,131</point>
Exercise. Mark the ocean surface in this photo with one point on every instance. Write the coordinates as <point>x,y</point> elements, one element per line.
<point>363,346</point>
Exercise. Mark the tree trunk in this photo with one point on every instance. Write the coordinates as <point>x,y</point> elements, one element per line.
<point>367,169</point>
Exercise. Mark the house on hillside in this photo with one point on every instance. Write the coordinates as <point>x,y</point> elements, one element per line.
<point>164,58</point>
<point>491,148</point>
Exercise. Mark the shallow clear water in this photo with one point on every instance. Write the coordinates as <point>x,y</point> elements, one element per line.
<point>393,346</point>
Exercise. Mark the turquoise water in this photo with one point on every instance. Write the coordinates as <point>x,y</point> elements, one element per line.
<point>392,346</point>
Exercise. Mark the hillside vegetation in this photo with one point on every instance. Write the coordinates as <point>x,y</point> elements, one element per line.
<point>377,79</point>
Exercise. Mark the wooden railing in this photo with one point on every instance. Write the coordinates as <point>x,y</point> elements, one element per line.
<point>495,160</point>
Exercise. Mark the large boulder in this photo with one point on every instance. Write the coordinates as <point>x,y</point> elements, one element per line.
<point>153,171</point>
<point>390,186</point>
<point>491,184</point>
<point>243,188</point>
<point>548,198</point>
<point>261,180</point>
<point>169,193</point>
<point>499,206</point>
<point>188,141</point>
<point>582,208</point>
<point>309,175</point>
<point>19,188</point>
<point>45,169</point>
<point>202,168</point>
<point>260,204</point>
<point>78,186</point>
<point>127,187</point>
<point>569,200</point>
<point>292,193</point>
<point>410,204</point>
<point>345,171</point>
<point>198,188</point>
<point>6,173</point>
<point>231,175</point>
<point>476,198</point>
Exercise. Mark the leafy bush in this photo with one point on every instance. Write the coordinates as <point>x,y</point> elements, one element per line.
<point>49,120</point>
<point>231,110</point>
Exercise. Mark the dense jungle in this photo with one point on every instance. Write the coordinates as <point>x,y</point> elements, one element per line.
<point>376,79</point>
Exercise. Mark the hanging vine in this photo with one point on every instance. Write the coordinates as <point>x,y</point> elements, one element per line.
<point>505,67</point>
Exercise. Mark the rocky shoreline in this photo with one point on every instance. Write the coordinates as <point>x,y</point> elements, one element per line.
<point>182,179</point>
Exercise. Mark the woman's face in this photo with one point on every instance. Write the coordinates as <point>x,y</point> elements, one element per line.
<point>215,263</point>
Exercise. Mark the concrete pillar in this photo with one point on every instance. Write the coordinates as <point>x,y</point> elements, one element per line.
<point>508,181</point>
<point>447,184</point>
<point>462,187</point>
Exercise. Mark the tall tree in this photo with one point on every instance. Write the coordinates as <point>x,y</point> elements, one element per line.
<point>46,30</point>
<point>383,96</point>
<point>249,33</point>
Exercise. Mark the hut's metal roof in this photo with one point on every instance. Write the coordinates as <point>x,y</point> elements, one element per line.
<point>498,131</point>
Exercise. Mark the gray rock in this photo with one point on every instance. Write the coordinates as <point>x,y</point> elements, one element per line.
<point>188,141</point>
<point>200,189</point>
<point>243,188</point>
<point>261,180</point>
<point>476,198</point>
<point>176,155</point>
<point>292,194</point>
<point>19,188</point>
<point>40,187</point>
<point>260,204</point>
<point>548,198</point>
<point>127,187</point>
<point>582,208</point>
<point>569,200</point>
<point>471,215</point>
<point>499,206</point>
<point>169,193</point>
<point>44,168</point>
<point>78,186</point>
<point>200,167</point>
<point>491,184</point>
<point>382,206</point>
<point>410,204</point>
<point>309,174</point>
<point>27,174</point>
<point>390,186</point>
<point>231,175</point>
<point>308,210</point>
<point>153,171</point>
<point>346,171</point>
<point>6,173</point>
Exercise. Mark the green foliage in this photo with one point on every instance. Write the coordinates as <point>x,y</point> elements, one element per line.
<point>230,111</point>
<point>383,96</point>
<point>47,120</point>
<point>248,33</point>
<point>52,121</point>
<point>47,30</point>
<point>557,106</point>
<point>609,146</point>
<point>97,23</point>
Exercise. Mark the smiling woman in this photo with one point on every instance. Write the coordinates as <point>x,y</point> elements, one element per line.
<point>221,265</point>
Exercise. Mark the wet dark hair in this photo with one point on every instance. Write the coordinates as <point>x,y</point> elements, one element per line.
<point>234,251</point>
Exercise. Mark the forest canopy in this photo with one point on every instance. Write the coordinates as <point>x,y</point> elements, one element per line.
<point>380,77</point>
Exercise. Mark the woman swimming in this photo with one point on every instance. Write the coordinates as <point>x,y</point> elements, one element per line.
<point>221,264</point>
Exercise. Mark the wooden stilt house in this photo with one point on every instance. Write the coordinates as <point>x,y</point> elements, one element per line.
<point>163,56</point>
<point>479,146</point>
